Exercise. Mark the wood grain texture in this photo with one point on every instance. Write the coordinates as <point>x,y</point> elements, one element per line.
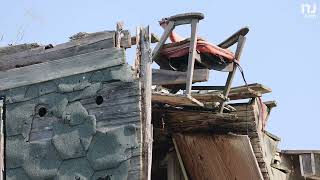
<point>89,43</point>
<point>146,83</point>
<point>222,157</point>
<point>17,48</point>
<point>61,68</point>
<point>241,92</point>
<point>174,99</point>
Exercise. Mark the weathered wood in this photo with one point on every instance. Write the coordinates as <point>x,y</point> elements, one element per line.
<point>241,92</point>
<point>309,165</point>
<point>208,156</point>
<point>168,77</point>
<point>191,57</point>
<point>125,41</point>
<point>193,15</point>
<point>164,37</point>
<point>270,104</point>
<point>92,42</point>
<point>61,68</point>
<point>17,48</point>
<point>146,83</point>
<point>174,99</point>
<point>154,39</point>
<point>173,167</point>
<point>119,28</point>
<point>183,169</point>
<point>234,38</point>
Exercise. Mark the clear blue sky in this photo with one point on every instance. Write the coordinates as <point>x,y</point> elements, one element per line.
<point>282,49</point>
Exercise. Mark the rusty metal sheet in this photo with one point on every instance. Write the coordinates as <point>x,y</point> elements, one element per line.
<point>221,157</point>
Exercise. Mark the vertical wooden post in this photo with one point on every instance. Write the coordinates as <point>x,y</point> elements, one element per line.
<point>118,33</point>
<point>138,54</point>
<point>146,83</point>
<point>191,58</point>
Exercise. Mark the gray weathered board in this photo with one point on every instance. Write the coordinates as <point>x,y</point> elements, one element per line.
<point>61,68</point>
<point>91,42</point>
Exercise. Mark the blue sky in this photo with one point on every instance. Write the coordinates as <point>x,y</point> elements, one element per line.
<point>282,49</point>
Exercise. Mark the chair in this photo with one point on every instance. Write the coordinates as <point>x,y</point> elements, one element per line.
<point>183,55</point>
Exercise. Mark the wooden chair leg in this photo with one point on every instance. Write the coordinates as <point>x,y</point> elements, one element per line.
<point>228,86</point>
<point>191,58</point>
<point>163,39</point>
<point>226,91</point>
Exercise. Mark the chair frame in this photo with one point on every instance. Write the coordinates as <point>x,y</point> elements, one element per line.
<point>193,19</point>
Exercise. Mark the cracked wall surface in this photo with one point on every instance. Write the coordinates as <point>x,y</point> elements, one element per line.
<point>85,126</point>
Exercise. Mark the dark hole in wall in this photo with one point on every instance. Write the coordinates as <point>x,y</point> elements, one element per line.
<point>99,100</point>
<point>42,111</point>
<point>104,178</point>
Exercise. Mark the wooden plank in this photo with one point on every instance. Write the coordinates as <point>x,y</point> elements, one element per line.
<point>168,77</point>
<point>125,41</point>
<point>173,167</point>
<point>17,48</point>
<point>61,68</point>
<point>146,83</point>
<point>241,92</point>
<point>217,156</point>
<point>183,169</point>
<point>119,28</point>
<point>297,152</point>
<point>174,99</point>
<point>89,43</point>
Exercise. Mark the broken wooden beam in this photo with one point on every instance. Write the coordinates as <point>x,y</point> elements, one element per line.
<point>175,99</point>
<point>241,92</point>
<point>154,39</point>
<point>168,77</point>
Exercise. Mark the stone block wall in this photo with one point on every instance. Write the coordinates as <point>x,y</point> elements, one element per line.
<point>84,126</point>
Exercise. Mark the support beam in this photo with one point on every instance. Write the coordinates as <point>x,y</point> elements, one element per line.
<point>146,83</point>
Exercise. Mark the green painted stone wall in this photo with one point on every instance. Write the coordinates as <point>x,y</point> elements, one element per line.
<point>85,126</point>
